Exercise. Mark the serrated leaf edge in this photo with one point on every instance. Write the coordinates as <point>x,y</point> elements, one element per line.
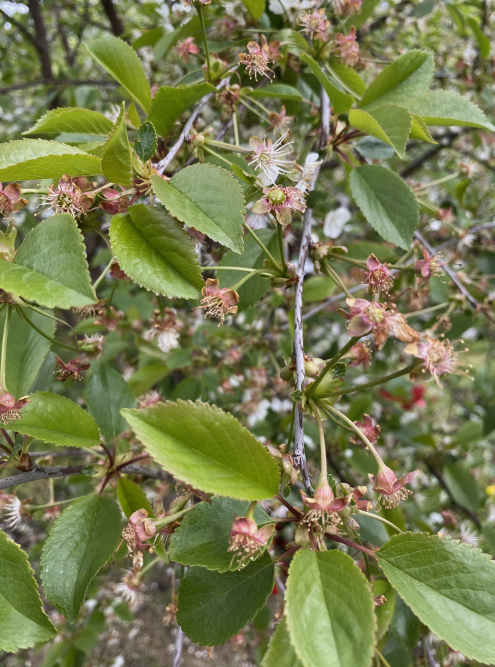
<point>120,119</point>
<point>56,113</point>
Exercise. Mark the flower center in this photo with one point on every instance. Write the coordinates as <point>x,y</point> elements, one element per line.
<point>277,197</point>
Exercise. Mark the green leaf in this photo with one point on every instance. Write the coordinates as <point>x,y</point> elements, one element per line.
<point>255,7</point>
<point>252,258</point>
<point>420,130</point>
<point>341,102</point>
<point>81,541</point>
<point>207,448</point>
<point>169,104</point>
<point>463,487</point>
<point>30,159</point>
<point>444,107</point>
<point>387,203</point>
<point>280,652</point>
<point>329,610</point>
<point>279,91</point>
<point>483,41</point>
<point>54,418</point>
<point>132,497</point>
<point>203,536</point>
<point>207,198</point>
<point>106,394</point>
<point>405,625</point>
<point>384,613</point>
<point>423,9</point>
<point>367,9</point>
<point>214,606</point>
<point>170,39</point>
<point>148,38</point>
<point>155,252</point>
<point>120,61</point>
<point>23,623</point>
<point>50,266</point>
<point>373,149</point>
<point>449,585</point>
<point>407,77</point>
<point>73,121</point>
<point>318,288</point>
<point>116,161</point>
<point>390,123</point>
<point>145,141</point>
<point>347,77</point>
<point>27,350</point>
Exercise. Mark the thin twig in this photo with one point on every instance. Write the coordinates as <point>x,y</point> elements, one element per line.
<point>348,543</point>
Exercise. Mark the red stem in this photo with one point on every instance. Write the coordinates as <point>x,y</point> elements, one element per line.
<point>295,510</point>
<point>111,460</point>
<point>136,458</point>
<point>289,552</point>
<point>7,437</point>
<point>342,540</point>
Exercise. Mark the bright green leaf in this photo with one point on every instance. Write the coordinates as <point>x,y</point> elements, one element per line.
<point>444,107</point>
<point>23,623</point>
<point>409,76</point>
<point>155,252</point>
<point>116,161</point>
<point>50,266</point>
<point>145,141</point>
<point>318,288</point>
<point>386,202</point>
<point>30,159</point>
<point>207,448</point>
<point>329,610</point>
<point>449,585</point>
<point>82,540</point>
<point>121,61</point>
<point>214,606</point>
<point>169,104</point>
<point>203,536</point>
<point>27,350</point>
<point>367,9</point>
<point>384,612</point>
<point>207,198</point>
<point>483,41</point>
<point>255,7</point>
<point>341,102</point>
<point>106,394</point>
<point>132,497</point>
<point>463,486</point>
<point>54,418</point>
<point>347,77</point>
<point>279,91</point>
<point>148,38</point>
<point>420,130</point>
<point>280,652</point>
<point>73,121</point>
<point>390,123</point>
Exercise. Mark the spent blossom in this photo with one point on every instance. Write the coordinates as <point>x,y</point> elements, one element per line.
<point>309,173</point>
<point>218,302</point>
<point>10,407</point>
<point>13,511</point>
<point>347,7</point>
<point>379,277</point>
<point>315,23</point>
<point>257,59</point>
<point>247,541</point>
<point>439,357</point>
<point>380,320</point>
<point>348,48</point>
<point>281,202</point>
<point>187,47</point>
<point>70,369</point>
<point>66,197</point>
<point>129,588</point>
<point>10,199</point>
<point>165,328</point>
<point>371,431</point>
<point>391,489</point>
<point>360,353</point>
<point>280,122</point>
<point>323,507</point>
<point>271,158</point>
<point>429,266</point>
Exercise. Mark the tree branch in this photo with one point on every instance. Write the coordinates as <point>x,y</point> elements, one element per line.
<point>20,27</point>
<point>113,17</point>
<point>41,39</point>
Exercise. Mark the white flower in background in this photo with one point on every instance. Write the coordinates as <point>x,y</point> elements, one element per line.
<point>335,222</point>
<point>291,7</point>
<point>311,164</point>
<point>235,9</point>
<point>13,512</point>
<point>168,340</point>
<point>113,112</point>
<point>270,158</point>
<point>468,535</point>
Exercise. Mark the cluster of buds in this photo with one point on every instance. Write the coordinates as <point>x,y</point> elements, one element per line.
<point>247,541</point>
<point>10,199</point>
<point>218,302</point>
<point>257,59</point>
<point>165,328</point>
<point>286,466</point>
<point>321,255</point>
<point>10,407</point>
<point>280,201</point>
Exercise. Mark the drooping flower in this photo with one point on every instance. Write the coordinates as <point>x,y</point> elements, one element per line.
<point>379,319</point>
<point>256,61</point>
<point>391,489</point>
<point>271,158</point>
<point>430,265</point>
<point>13,512</point>
<point>10,199</point>
<point>360,353</point>
<point>129,588</point>
<point>379,277</point>
<point>218,302</point>
<point>348,48</point>
<point>323,507</point>
<point>439,357</point>
<point>371,431</point>
<point>165,329</point>
<point>187,47</point>
<point>72,369</point>
<point>280,201</point>
<point>114,201</point>
<point>280,122</point>
<point>347,7</point>
<point>66,197</point>
<point>310,170</point>
<point>247,541</point>
<point>315,23</point>
<point>10,407</point>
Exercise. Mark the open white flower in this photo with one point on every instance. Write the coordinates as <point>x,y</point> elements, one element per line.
<point>335,222</point>
<point>271,158</point>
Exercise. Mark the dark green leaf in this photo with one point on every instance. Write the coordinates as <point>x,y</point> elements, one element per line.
<point>169,104</point>
<point>145,141</point>
<point>132,497</point>
<point>341,102</point>
<point>280,652</point>
<point>106,394</point>
<point>116,161</point>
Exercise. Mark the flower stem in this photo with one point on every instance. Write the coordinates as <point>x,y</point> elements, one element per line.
<point>100,278</point>
<point>330,364</point>
<point>336,278</point>
<point>380,518</point>
<point>246,278</point>
<point>235,122</point>
<point>288,553</point>
<point>3,356</point>
<point>55,503</point>
<point>323,450</point>
<point>281,245</point>
<point>252,506</point>
<point>262,245</point>
<point>227,147</point>
<point>385,662</point>
<point>199,9</point>
<point>425,311</point>
<point>381,380</point>
<point>21,312</point>
<point>357,431</point>
<point>149,565</point>
<point>161,523</point>
<point>227,268</point>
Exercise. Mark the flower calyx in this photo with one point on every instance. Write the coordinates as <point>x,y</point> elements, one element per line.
<point>247,541</point>
<point>218,302</point>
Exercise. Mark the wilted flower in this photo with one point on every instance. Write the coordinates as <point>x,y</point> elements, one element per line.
<point>347,7</point>
<point>310,170</point>
<point>348,48</point>
<point>229,96</point>
<point>247,541</point>
<point>10,407</point>
<point>315,23</point>
<point>375,317</point>
<point>72,369</point>
<point>367,427</point>
<point>186,47</point>
<point>281,201</point>
<point>271,158</point>
<point>128,588</point>
<point>166,329</point>
<point>280,122</point>
<point>66,197</point>
<point>108,318</point>
<point>256,61</point>
<point>390,488</point>
<point>360,353</point>
<point>10,199</point>
<point>323,507</point>
<point>379,277</point>
<point>438,355</point>
<point>91,346</point>
<point>218,302</point>
<point>114,201</point>
<point>429,266</point>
